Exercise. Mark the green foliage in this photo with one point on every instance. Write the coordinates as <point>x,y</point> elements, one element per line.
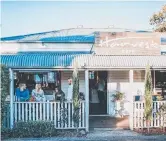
<point>76,102</point>
<point>159,20</point>
<point>148,94</point>
<point>31,129</point>
<point>159,98</point>
<point>6,133</point>
<point>63,114</point>
<point>4,90</point>
<point>162,113</point>
<point>118,96</point>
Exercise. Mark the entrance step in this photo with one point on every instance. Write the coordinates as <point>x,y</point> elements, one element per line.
<point>98,122</point>
<point>106,129</point>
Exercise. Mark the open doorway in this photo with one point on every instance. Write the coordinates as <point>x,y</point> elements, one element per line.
<point>98,93</point>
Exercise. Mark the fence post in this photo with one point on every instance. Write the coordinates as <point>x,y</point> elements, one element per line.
<point>131,116</point>
<point>132,100</point>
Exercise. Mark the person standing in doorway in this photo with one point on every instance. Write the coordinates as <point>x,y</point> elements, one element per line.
<point>101,88</point>
<point>94,102</point>
<point>70,90</point>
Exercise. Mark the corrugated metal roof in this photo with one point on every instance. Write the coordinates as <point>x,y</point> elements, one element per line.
<point>76,38</point>
<point>97,61</point>
<point>61,35</point>
<point>65,36</point>
<point>37,60</point>
<point>50,60</point>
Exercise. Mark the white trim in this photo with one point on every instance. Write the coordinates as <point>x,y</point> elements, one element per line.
<point>87,100</point>
<point>11,98</point>
<point>154,85</point>
<point>81,69</point>
<point>131,107</point>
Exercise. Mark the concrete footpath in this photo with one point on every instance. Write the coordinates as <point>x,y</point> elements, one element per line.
<point>102,135</point>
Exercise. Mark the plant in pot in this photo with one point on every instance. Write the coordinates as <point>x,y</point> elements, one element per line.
<point>118,96</point>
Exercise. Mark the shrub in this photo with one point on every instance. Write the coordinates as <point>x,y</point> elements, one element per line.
<point>148,96</point>
<point>6,133</point>
<point>76,101</point>
<point>4,90</point>
<point>31,129</point>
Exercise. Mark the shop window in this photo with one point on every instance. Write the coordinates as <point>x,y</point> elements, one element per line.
<point>139,76</point>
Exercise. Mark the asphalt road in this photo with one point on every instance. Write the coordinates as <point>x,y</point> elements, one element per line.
<point>112,135</point>
<point>149,138</point>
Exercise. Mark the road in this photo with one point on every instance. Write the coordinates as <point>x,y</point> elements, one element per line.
<point>112,135</point>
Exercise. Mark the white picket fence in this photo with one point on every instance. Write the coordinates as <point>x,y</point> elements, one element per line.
<point>138,115</point>
<point>60,114</point>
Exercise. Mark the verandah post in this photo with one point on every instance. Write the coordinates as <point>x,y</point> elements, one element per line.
<point>87,100</point>
<point>11,98</point>
<point>131,110</point>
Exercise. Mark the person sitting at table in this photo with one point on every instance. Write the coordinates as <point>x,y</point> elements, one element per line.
<point>38,93</point>
<point>59,94</point>
<point>22,93</point>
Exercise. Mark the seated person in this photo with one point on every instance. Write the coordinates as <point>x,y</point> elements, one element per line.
<point>38,93</point>
<point>59,94</point>
<point>81,96</point>
<point>22,93</point>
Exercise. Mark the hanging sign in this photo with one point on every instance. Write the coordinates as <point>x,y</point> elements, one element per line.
<point>91,75</point>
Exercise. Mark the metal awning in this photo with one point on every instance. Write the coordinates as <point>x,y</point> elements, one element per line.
<point>90,61</point>
<point>104,61</point>
<point>40,60</point>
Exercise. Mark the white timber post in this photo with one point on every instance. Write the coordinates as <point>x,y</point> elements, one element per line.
<point>131,110</point>
<point>11,98</point>
<point>87,100</point>
<point>154,81</point>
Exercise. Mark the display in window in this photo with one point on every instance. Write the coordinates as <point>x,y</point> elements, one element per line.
<point>52,77</point>
<point>37,78</point>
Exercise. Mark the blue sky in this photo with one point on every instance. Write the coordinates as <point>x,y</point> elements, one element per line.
<point>22,17</point>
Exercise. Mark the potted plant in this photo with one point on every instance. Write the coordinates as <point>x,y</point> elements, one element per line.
<point>118,96</point>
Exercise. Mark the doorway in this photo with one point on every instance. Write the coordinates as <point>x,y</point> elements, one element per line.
<point>98,93</point>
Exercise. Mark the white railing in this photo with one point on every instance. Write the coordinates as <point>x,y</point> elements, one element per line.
<point>138,115</point>
<point>60,114</point>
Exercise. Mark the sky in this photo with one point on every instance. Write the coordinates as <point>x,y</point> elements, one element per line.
<point>23,17</point>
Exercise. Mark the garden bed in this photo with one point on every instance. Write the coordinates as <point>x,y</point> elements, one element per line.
<point>152,131</point>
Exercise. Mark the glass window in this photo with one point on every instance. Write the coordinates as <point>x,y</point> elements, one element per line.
<point>139,76</point>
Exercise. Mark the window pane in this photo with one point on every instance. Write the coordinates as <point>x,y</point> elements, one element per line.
<point>139,76</point>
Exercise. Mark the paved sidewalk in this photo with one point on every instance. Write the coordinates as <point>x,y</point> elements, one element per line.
<point>98,135</point>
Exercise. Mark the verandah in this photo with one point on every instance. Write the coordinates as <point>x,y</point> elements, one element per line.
<point>60,113</point>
